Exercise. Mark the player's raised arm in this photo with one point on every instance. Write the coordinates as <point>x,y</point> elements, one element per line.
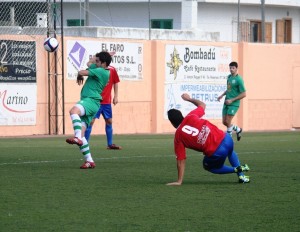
<point>196,102</point>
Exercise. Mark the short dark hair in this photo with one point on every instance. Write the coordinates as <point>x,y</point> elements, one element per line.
<point>175,117</point>
<point>104,57</point>
<point>233,63</point>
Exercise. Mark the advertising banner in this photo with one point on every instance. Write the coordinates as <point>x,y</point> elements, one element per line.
<point>128,57</point>
<point>200,71</point>
<point>17,61</point>
<point>18,104</point>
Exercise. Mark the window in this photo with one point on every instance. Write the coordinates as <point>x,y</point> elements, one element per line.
<point>75,22</point>
<point>283,31</point>
<point>162,23</point>
<point>244,31</point>
<point>256,31</point>
<point>268,32</point>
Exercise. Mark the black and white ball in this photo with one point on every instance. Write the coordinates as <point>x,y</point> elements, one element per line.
<point>51,44</point>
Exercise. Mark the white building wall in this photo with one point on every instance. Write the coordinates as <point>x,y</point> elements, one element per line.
<point>218,17</point>
<point>223,18</point>
<point>189,14</point>
<point>279,13</point>
<point>126,14</point>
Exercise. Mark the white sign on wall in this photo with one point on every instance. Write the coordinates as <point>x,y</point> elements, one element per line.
<point>200,71</point>
<point>128,58</point>
<point>18,104</point>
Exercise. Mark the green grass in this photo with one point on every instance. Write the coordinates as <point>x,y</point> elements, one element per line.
<point>43,189</point>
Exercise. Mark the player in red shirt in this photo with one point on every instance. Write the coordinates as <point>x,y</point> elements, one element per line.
<point>105,109</point>
<point>200,135</point>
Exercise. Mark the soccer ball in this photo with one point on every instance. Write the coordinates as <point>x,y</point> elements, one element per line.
<point>51,44</point>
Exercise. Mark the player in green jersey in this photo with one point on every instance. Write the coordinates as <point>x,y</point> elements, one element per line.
<point>234,93</point>
<point>84,111</point>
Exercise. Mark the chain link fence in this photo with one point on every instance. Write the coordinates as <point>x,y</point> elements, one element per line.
<point>24,26</point>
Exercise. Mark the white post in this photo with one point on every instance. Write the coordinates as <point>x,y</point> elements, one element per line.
<point>80,13</point>
<point>12,16</point>
<point>263,31</point>
<point>189,14</point>
<point>238,26</point>
<point>87,10</point>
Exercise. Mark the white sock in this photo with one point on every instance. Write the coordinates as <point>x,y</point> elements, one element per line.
<point>85,149</point>
<point>229,129</point>
<point>88,157</point>
<point>76,121</point>
<point>236,128</point>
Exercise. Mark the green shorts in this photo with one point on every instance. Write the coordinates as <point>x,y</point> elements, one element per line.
<point>91,107</point>
<point>229,110</point>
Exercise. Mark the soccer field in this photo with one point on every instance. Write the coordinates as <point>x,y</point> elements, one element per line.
<point>43,189</point>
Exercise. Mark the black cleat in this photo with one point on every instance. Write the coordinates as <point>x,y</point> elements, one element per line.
<point>239,135</point>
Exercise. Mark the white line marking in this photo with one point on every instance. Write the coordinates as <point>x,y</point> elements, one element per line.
<point>133,157</point>
<point>106,158</point>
